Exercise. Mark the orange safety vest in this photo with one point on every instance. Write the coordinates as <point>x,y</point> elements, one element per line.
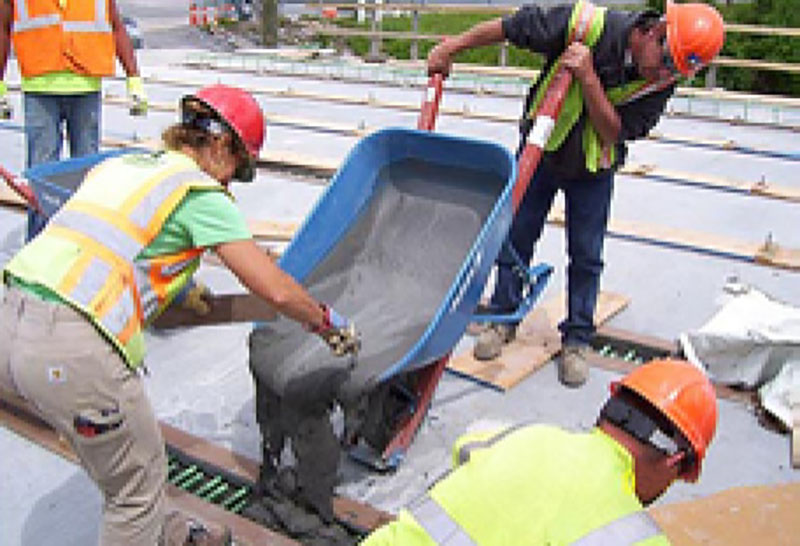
<point>59,35</point>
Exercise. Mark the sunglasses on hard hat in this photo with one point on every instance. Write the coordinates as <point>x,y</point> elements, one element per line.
<point>663,437</point>
<point>208,121</point>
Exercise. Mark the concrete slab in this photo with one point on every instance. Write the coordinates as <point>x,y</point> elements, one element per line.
<point>199,379</point>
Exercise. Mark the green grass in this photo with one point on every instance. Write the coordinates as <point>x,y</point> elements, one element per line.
<point>435,23</point>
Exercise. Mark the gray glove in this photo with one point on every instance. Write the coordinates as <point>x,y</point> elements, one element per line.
<point>5,107</point>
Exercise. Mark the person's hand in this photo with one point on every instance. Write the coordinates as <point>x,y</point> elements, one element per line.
<point>339,333</point>
<point>195,298</point>
<point>136,93</point>
<point>578,59</point>
<point>439,59</point>
<point>5,107</point>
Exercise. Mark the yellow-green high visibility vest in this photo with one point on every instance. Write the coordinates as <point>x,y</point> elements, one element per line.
<point>586,25</point>
<point>530,485</point>
<point>89,251</point>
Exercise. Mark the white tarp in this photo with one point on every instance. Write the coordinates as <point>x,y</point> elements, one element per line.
<point>752,341</point>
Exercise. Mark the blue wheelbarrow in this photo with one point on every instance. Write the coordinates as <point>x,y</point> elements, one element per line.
<point>402,243</point>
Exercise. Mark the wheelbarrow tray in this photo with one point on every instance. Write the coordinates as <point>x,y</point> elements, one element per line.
<point>401,242</point>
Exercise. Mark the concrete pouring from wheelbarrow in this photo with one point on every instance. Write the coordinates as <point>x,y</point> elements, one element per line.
<point>390,274</point>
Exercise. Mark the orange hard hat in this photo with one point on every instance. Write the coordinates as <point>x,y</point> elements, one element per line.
<point>683,393</point>
<point>695,33</point>
<point>238,109</point>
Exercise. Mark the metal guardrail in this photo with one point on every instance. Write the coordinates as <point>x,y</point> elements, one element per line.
<point>376,35</point>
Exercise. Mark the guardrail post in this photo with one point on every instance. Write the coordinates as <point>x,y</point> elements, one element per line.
<point>504,54</point>
<point>375,43</point>
<point>415,42</point>
<point>711,77</point>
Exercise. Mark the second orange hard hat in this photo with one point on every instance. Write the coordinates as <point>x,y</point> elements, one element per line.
<point>695,34</point>
<point>684,394</point>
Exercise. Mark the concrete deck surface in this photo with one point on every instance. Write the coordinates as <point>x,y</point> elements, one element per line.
<point>199,380</point>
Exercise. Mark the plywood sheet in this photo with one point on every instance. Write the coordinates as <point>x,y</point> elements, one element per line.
<point>742,515</point>
<point>538,340</point>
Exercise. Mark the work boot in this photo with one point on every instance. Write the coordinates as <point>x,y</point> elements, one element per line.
<point>573,366</point>
<point>490,342</point>
<point>182,530</point>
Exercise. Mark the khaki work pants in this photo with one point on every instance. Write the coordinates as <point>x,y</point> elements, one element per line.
<point>55,358</point>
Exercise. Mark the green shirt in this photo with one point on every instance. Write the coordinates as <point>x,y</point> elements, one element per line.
<point>203,219</point>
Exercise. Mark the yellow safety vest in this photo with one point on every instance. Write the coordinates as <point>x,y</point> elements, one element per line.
<point>586,25</point>
<point>89,251</point>
<point>63,35</point>
<point>530,485</point>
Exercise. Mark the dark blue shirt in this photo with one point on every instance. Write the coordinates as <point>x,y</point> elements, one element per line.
<point>544,31</point>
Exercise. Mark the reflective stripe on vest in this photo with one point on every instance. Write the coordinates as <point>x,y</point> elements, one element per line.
<point>25,22</point>
<point>76,37</point>
<point>118,290</point>
<point>586,25</point>
<point>443,529</point>
<point>630,529</point>
<point>624,531</point>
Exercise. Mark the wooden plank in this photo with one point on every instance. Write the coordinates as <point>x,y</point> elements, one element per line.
<point>764,514</point>
<point>9,198</point>
<point>768,253</point>
<point>757,64</point>
<point>245,531</point>
<point>536,343</point>
<point>20,417</point>
<point>759,188</point>
<point>225,309</point>
<point>358,514</point>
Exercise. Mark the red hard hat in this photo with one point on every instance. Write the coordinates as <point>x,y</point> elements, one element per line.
<point>695,33</point>
<point>684,394</point>
<point>239,109</point>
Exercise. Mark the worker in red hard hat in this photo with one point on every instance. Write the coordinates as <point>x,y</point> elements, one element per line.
<point>79,295</point>
<point>539,484</point>
<point>624,68</point>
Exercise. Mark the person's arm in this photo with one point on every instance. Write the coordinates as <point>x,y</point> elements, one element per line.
<point>262,276</point>
<point>486,33</point>
<point>604,117</point>
<point>6,18</point>
<point>122,43</point>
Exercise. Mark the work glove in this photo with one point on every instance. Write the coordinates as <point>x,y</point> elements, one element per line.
<point>5,107</point>
<point>195,298</point>
<point>339,333</point>
<point>137,95</point>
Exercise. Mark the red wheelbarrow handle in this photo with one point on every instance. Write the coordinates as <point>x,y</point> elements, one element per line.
<point>543,122</point>
<point>430,103</point>
<point>21,188</point>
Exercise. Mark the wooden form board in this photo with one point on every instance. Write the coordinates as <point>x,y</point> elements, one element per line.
<point>742,515</point>
<point>20,417</point>
<point>9,198</point>
<point>537,341</point>
<point>767,253</point>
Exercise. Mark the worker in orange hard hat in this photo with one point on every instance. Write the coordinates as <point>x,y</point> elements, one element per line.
<point>624,68</point>
<point>79,295</point>
<point>539,484</point>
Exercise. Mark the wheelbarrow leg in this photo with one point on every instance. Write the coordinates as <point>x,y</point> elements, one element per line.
<point>426,381</point>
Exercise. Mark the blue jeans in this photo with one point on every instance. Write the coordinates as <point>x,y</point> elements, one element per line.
<point>587,205</point>
<point>45,115</point>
